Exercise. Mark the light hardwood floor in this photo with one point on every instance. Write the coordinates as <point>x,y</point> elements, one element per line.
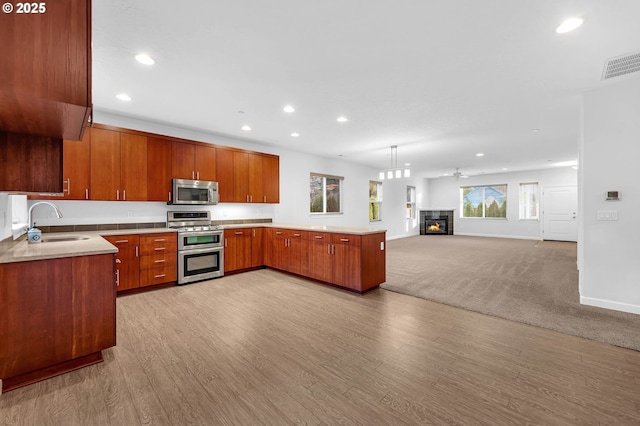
<point>268,348</point>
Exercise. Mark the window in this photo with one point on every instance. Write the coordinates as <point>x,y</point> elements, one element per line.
<point>529,208</point>
<point>325,193</point>
<point>411,202</point>
<point>488,201</point>
<point>375,200</point>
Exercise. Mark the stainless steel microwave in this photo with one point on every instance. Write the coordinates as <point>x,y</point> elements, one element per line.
<point>195,192</point>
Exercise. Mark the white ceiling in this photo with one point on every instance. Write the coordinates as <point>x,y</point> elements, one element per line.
<point>443,80</point>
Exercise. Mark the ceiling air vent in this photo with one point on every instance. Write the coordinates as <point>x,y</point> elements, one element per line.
<point>621,65</point>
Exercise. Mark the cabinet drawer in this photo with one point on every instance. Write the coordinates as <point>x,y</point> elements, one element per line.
<point>170,237</point>
<point>155,276</point>
<point>158,260</point>
<point>347,239</point>
<point>320,236</point>
<point>237,232</point>
<point>123,240</point>
<point>158,248</point>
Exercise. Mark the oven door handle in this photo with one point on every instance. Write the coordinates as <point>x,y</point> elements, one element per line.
<point>201,250</point>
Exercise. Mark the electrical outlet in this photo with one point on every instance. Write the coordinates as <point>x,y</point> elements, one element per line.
<point>607,215</point>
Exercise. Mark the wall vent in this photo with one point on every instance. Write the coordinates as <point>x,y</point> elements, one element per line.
<point>621,65</point>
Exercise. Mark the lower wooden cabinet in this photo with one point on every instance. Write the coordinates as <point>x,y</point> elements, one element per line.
<point>237,249</point>
<point>145,259</point>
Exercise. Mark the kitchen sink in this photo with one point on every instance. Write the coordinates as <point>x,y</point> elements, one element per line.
<point>63,238</point>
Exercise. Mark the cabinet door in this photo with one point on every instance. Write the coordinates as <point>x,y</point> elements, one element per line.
<point>346,266</point>
<point>183,156</point>
<point>133,161</point>
<point>158,170</point>
<point>237,250</point>
<point>224,171</point>
<point>205,163</point>
<point>128,267</point>
<point>76,160</point>
<point>254,176</point>
<point>320,265</point>
<point>105,165</point>
<point>271,179</point>
<point>241,177</point>
<point>257,247</point>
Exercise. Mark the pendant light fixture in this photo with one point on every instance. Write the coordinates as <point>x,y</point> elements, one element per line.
<point>394,172</point>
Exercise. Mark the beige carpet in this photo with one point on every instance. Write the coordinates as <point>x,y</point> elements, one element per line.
<point>532,282</point>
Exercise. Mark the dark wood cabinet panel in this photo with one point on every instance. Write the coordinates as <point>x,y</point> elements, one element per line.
<point>271,179</point>
<point>257,247</point>
<point>241,177</point>
<point>54,312</point>
<point>133,163</point>
<point>158,258</point>
<point>320,260</point>
<point>158,170</point>
<point>30,163</point>
<point>105,165</point>
<point>346,266</point>
<point>205,163</point>
<point>127,261</point>
<point>45,87</point>
<point>225,175</point>
<point>183,160</point>
<point>237,249</point>
<point>255,178</point>
<point>76,167</point>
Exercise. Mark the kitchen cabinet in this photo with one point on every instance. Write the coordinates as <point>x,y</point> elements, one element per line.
<point>76,163</point>
<point>256,178</point>
<point>45,88</point>
<point>320,257</point>
<point>290,250</point>
<point>57,316</point>
<point>118,166</point>
<point>158,258</point>
<point>195,162</point>
<point>237,249</point>
<point>30,163</point>
<point>159,185</point>
<point>257,247</point>
<point>225,171</point>
<point>127,261</point>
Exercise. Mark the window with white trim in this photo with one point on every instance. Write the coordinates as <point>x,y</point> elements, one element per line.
<point>325,194</point>
<point>411,202</point>
<point>487,201</point>
<point>375,201</point>
<point>529,206</point>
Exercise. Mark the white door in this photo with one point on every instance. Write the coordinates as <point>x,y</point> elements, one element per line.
<point>560,213</point>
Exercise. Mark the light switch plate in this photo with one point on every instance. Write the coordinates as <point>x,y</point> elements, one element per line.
<point>607,215</point>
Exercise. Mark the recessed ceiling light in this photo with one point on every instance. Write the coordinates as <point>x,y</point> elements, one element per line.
<point>504,169</point>
<point>288,108</point>
<point>407,164</point>
<point>295,135</point>
<point>246,128</point>
<point>569,25</point>
<point>342,119</point>
<point>123,97</point>
<point>143,58</point>
<point>480,154</point>
<point>536,130</point>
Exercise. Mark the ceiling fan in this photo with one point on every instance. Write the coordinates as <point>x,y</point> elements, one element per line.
<point>457,174</point>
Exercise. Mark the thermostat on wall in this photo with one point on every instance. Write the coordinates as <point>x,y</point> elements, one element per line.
<point>612,196</point>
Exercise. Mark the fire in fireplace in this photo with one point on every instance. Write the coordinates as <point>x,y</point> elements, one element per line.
<point>436,226</point>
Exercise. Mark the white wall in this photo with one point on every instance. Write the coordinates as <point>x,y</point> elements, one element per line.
<point>5,216</point>
<point>609,254</point>
<point>444,194</point>
<point>294,190</point>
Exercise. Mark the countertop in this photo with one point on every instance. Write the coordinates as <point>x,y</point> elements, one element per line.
<point>22,251</point>
<point>318,228</point>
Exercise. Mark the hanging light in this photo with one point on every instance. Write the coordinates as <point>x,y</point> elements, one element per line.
<point>394,172</point>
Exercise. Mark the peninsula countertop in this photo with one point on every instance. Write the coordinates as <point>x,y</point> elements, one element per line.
<point>317,228</point>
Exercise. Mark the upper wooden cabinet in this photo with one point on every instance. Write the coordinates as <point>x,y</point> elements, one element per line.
<point>190,161</point>
<point>45,87</point>
<point>253,178</point>
<point>118,166</point>
<point>159,169</point>
<point>225,170</point>
<point>76,172</point>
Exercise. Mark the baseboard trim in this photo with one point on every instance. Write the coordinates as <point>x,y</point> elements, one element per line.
<point>609,304</point>
<point>515,237</point>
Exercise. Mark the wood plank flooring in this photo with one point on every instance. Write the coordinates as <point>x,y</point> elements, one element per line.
<point>267,348</point>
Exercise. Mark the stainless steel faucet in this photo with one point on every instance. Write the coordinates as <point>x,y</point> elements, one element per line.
<point>55,209</point>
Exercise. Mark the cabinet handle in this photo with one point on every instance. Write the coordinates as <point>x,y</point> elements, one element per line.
<point>160,261</point>
<point>239,232</point>
<point>160,276</point>
<point>344,240</point>
<point>278,233</point>
<point>68,190</point>
<point>169,198</point>
<point>198,175</point>
<point>253,232</point>
<point>251,198</point>
<point>86,193</point>
<point>265,199</point>
<point>136,251</point>
<point>117,278</point>
<point>296,235</point>
<point>158,248</point>
<point>121,241</point>
<point>318,237</point>
<point>124,195</point>
<point>193,174</point>
<point>118,261</point>
<point>160,240</point>
<point>225,242</point>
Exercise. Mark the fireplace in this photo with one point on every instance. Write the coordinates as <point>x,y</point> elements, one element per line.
<point>436,222</point>
<point>436,226</point>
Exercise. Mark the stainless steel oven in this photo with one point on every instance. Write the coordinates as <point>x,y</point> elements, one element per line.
<point>200,246</point>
